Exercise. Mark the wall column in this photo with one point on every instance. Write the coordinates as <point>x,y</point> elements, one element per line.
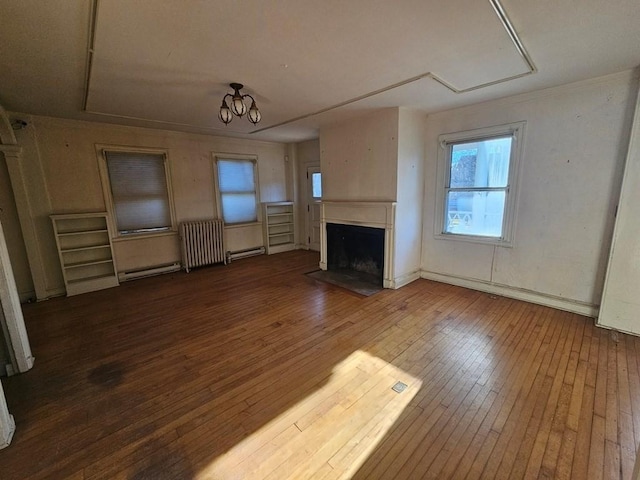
<point>13,157</point>
<point>7,424</point>
<point>12,311</point>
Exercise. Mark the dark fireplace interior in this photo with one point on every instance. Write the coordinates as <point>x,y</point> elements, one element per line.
<point>361,249</point>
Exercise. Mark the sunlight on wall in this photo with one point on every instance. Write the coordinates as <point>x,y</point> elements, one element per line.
<point>334,428</point>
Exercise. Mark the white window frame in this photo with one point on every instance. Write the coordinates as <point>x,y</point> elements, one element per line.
<point>108,197</point>
<point>239,157</point>
<point>445,143</point>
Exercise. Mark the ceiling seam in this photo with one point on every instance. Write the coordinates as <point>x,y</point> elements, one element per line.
<point>497,6</point>
<point>513,35</point>
<point>93,19</point>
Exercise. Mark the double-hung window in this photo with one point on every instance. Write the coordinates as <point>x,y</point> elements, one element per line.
<point>478,184</point>
<point>137,185</point>
<point>237,186</point>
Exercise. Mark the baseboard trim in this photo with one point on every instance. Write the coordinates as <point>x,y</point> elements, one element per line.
<point>27,297</point>
<point>573,306</point>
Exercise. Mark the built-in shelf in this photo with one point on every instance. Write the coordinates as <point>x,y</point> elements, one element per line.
<point>279,227</point>
<point>85,251</point>
<point>84,232</point>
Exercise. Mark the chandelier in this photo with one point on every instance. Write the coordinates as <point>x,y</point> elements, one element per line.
<point>238,107</point>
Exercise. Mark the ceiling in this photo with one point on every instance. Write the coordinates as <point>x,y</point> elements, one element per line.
<point>167,63</point>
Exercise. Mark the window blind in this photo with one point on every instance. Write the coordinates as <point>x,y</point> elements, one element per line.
<point>139,191</point>
<point>237,184</point>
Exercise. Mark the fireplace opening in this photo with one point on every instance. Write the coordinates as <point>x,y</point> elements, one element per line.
<point>356,248</point>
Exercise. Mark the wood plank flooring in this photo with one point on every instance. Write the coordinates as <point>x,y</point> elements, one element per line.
<point>256,371</point>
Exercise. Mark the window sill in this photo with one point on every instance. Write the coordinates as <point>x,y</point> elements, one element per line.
<point>242,225</point>
<point>499,242</point>
<point>141,236</point>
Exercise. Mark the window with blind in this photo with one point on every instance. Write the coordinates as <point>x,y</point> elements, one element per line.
<point>477,194</point>
<point>139,192</point>
<point>238,190</point>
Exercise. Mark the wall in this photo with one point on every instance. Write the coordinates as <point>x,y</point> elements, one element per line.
<point>574,146</point>
<point>359,158</point>
<point>410,192</point>
<point>64,178</point>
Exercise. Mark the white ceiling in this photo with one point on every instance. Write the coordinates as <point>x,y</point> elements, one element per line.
<point>168,63</point>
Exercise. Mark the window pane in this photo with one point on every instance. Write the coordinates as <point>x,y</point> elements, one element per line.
<point>239,208</point>
<point>316,183</point>
<point>475,213</point>
<point>483,163</point>
<point>236,181</point>
<point>139,191</point>
<point>236,176</point>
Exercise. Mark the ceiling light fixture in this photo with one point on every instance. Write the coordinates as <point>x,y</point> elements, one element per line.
<point>238,107</point>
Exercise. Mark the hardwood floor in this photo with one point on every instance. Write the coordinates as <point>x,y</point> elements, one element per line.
<point>256,371</point>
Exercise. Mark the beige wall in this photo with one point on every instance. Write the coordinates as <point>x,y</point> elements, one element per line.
<point>359,158</point>
<point>574,147</point>
<point>410,188</point>
<point>64,178</point>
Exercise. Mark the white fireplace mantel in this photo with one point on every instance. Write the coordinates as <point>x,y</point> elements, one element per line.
<point>366,214</point>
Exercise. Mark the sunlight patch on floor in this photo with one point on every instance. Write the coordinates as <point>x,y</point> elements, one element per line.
<point>331,432</point>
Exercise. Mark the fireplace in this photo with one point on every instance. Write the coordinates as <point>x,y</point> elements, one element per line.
<point>356,248</point>
<point>373,232</point>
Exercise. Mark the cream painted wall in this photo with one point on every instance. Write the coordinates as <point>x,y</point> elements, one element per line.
<point>574,146</point>
<point>359,158</point>
<point>410,188</point>
<point>64,178</point>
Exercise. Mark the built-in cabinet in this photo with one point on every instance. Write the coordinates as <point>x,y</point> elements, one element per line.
<point>278,227</point>
<point>85,251</point>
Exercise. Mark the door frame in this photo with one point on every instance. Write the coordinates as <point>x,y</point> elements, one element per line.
<point>308,201</point>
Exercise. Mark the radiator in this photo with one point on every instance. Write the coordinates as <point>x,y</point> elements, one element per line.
<point>202,243</point>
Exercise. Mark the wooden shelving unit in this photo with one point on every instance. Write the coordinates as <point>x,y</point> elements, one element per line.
<point>278,227</point>
<point>85,251</point>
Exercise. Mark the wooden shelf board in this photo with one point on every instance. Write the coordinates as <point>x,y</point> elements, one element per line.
<point>87,264</point>
<point>80,249</point>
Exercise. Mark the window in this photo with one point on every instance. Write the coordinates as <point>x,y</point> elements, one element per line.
<point>238,191</point>
<point>139,191</point>
<point>478,185</point>
<point>316,185</point>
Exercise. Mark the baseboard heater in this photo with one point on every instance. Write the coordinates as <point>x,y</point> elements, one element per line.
<point>249,252</point>
<point>147,272</point>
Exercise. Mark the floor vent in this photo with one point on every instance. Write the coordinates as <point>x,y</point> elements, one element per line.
<point>399,387</point>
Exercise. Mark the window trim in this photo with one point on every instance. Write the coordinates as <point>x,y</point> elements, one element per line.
<point>101,150</point>
<point>240,157</point>
<point>516,131</point>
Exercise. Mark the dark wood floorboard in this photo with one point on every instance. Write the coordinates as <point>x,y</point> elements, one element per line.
<point>256,371</point>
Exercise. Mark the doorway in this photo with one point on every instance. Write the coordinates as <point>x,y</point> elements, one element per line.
<point>314,196</point>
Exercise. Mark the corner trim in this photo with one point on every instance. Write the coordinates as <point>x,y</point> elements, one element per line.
<point>406,279</point>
